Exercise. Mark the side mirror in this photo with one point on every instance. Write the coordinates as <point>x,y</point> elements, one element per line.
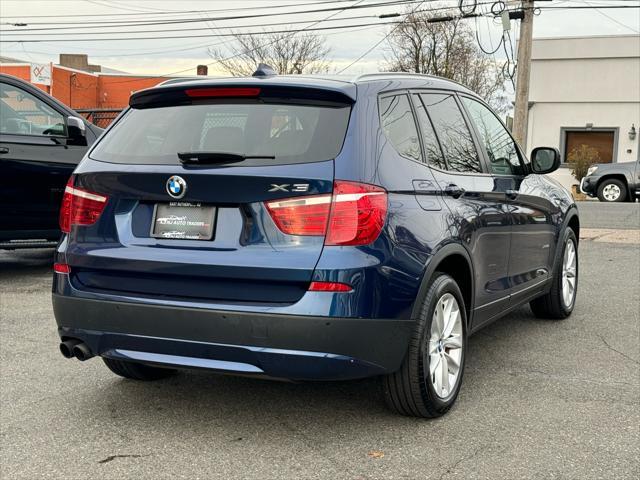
<point>76,131</point>
<point>545,160</point>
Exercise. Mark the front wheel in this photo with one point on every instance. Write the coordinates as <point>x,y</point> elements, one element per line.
<point>559,302</point>
<point>429,379</point>
<point>612,191</point>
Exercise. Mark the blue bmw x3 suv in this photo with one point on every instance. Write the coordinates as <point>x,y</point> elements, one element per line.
<point>309,228</point>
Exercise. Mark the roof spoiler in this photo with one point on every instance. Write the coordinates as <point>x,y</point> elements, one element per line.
<point>242,91</point>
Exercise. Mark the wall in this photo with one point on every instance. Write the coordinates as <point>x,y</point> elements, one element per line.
<point>74,88</point>
<point>85,90</point>
<point>576,81</point>
<point>547,119</point>
<point>114,90</point>
<point>585,80</point>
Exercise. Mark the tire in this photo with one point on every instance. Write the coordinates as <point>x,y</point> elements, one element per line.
<point>137,371</point>
<point>409,391</point>
<point>612,190</point>
<point>553,305</point>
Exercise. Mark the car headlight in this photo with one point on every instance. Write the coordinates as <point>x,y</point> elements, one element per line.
<point>591,170</point>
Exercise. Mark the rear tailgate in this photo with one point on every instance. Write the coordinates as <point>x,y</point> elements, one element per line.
<point>241,255</point>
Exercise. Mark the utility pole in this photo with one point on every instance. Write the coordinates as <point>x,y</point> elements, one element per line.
<point>523,69</point>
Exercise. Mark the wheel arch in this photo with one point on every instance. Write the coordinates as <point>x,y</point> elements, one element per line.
<point>572,221</point>
<point>454,260</point>
<point>614,176</point>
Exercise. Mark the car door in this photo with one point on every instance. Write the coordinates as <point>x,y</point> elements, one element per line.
<point>37,159</point>
<point>477,217</point>
<point>522,195</point>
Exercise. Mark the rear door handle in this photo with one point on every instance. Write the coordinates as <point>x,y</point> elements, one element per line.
<point>4,150</point>
<point>511,194</point>
<point>453,190</point>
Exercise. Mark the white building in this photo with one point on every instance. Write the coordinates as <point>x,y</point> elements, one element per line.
<point>586,91</point>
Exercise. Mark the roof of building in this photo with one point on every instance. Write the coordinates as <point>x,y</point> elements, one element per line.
<point>4,59</point>
<point>586,47</point>
<point>103,69</point>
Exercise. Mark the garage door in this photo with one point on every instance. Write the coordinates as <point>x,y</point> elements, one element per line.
<point>597,146</point>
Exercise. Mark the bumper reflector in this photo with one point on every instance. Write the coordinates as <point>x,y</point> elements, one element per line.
<point>61,268</point>
<point>329,287</point>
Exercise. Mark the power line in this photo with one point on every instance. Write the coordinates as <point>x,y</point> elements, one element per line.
<point>374,46</point>
<point>174,12</point>
<point>172,50</point>
<point>164,37</point>
<point>585,7</point>
<point>358,17</point>
<point>337,27</point>
<point>597,9</point>
<point>260,46</point>
<point>133,23</point>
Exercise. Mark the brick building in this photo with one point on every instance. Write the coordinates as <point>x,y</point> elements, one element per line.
<point>83,86</point>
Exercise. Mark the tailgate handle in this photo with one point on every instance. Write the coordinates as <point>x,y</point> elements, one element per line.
<point>4,150</point>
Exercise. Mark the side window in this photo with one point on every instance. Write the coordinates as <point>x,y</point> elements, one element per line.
<point>431,146</point>
<point>24,114</point>
<point>399,126</point>
<point>501,149</point>
<point>456,141</point>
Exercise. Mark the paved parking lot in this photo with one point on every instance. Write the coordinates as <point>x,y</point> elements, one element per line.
<point>540,399</point>
<point>594,214</point>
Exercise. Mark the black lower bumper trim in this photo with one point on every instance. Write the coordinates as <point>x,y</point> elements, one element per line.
<point>290,346</point>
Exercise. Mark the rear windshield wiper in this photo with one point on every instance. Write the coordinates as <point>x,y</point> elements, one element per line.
<point>217,157</point>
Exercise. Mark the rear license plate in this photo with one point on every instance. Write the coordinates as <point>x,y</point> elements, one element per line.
<point>182,220</point>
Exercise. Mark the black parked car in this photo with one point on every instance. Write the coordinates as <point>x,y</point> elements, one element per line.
<point>311,229</point>
<point>41,142</point>
<point>613,182</point>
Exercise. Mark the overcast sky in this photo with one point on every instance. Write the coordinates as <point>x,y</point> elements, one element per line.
<point>164,56</point>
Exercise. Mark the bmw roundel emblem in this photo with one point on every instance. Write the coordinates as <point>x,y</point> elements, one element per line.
<point>176,186</point>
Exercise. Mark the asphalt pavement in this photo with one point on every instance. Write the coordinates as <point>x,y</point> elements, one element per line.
<point>540,399</point>
<point>595,214</point>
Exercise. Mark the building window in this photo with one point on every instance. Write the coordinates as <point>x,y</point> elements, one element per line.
<point>598,146</point>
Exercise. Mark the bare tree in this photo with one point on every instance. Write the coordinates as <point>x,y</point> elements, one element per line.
<point>446,49</point>
<point>287,53</point>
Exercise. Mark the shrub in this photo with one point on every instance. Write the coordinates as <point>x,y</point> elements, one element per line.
<point>581,158</point>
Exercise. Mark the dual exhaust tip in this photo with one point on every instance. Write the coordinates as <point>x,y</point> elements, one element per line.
<point>75,348</point>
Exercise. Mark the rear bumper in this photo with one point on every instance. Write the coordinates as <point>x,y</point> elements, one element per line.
<point>294,347</point>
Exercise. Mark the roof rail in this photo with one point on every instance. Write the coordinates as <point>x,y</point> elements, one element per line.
<point>407,75</point>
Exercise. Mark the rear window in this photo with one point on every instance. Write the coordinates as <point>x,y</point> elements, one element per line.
<point>290,133</point>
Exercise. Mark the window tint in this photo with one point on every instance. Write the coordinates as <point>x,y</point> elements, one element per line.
<point>23,114</point>
<point>399,126</point>
<point>291,133</point>
<point>455,139</point>
<point>431,146</point>
<point>501,149</point>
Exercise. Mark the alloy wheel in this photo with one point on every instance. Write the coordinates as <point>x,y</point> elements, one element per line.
<point>445,346</point>
<point>569,273</point>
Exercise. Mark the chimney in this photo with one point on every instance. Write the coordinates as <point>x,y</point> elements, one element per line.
<point>78,61</point>
<point>202,70</point>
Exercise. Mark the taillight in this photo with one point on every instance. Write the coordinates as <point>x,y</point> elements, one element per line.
<point>301,215</point>
<point>353,215</point>
<point>329,287</point>
<point>80,207</point>
<point>358,213</point>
